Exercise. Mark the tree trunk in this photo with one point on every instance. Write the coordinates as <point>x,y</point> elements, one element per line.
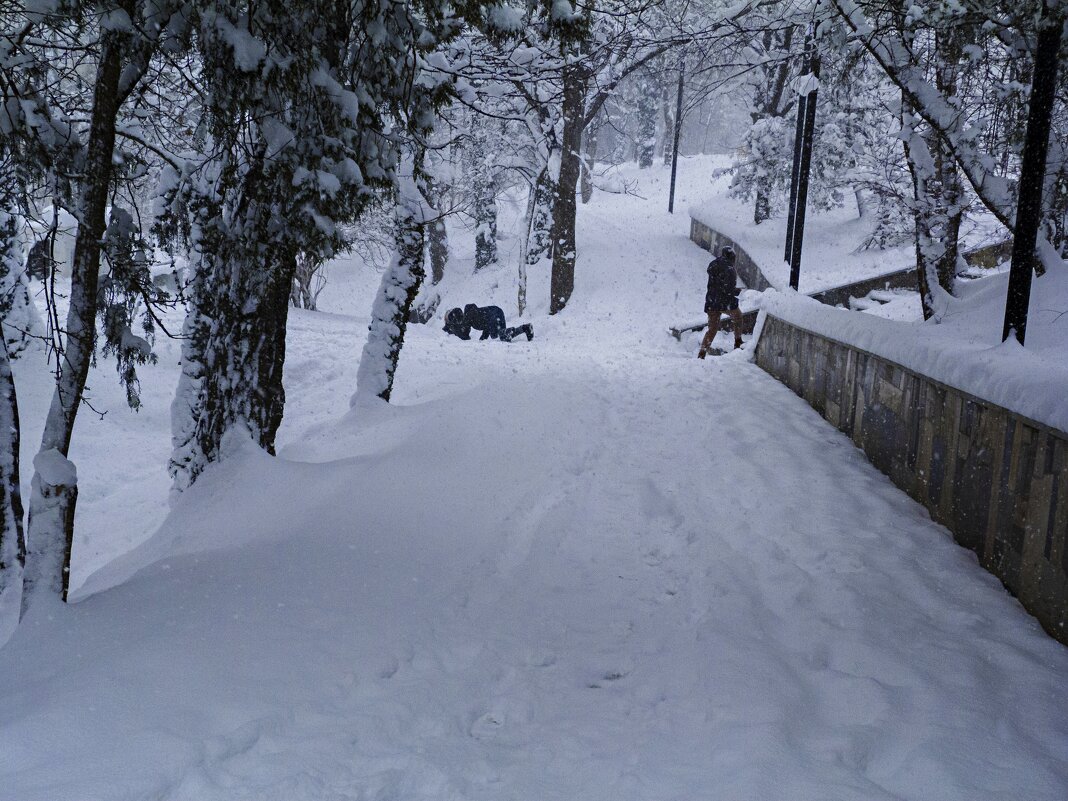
<point>307,283</point>
<point>771,104</point>
<point>762,206</point>
<point>438,235</point>
<point>485,213</point>
<point>439,249</point>
<point>589,144</point>
<point>667,115</point>
<point>396,294</point>
<point>12,542</point>
<point>564,207</point>
<point>19,320</point>
<point>232,360</point>
<point>937,214</point>
<point>539,231</point>
<point>646,135</point>
<point>54,490</point>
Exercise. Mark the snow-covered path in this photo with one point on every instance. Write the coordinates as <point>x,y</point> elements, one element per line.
<point>638,579</point>
<point>587,567</point>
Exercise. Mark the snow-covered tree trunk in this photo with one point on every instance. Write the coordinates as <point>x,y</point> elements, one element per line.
<point>232,360</point>
<point>589,158</point>
<point>767,137</point>
<point>485,214</point>
<point>648,98</point>
<point>19,319</point>
<point>438,248</point>
<point>54,490</point>
<point>937,213</point>
<point>540,217</point>
<point>667,118</point>
<point>437,234</point>
<point>537,244</point>
<point>564,207</point>
<point>12,542</point>
<point>308,282</point>
<point>396,294</point>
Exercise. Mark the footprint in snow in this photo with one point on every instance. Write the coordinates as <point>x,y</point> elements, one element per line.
<point>609,677</point>
<point>487,725</point>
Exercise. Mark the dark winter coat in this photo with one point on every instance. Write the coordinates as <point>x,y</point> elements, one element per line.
<point>487,319</point>
<point>722,293</point>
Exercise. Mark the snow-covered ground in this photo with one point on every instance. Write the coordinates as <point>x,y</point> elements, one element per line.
<point>831,255</point>
<point>589,566</point>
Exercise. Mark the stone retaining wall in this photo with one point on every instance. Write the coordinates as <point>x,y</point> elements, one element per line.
<point>712,241</point>
<point>997,481</point>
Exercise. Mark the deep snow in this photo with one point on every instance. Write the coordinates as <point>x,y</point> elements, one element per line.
<point>590,566</point>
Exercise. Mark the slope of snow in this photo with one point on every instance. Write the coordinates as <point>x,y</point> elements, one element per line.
<point>830,256</point>
<point>589,566</point>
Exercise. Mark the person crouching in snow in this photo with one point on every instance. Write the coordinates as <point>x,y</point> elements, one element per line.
<point>487,319</point>
<point>721,296</point>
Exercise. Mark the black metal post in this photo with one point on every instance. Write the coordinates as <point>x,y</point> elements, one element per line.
<point>804,168</point>
<point>675,146</point>
<point>1032,173</point>
<point>795,171</point>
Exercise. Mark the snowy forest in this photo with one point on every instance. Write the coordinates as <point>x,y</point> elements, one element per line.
<point>269,528</point>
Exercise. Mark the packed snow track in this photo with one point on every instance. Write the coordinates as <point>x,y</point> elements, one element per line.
<point>634,579</point>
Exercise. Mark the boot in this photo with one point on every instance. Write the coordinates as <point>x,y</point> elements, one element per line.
<point>528,329</point>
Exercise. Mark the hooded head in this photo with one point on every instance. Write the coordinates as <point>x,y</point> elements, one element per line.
<point>727,254</point>
<point>454,316</point>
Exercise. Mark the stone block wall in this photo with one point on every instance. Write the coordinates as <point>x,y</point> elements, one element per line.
<point>996,480</point>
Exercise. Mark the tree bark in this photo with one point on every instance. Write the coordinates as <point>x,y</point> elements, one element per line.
<point>564,206</point>
<point>485,213</point>
<point>12,541</point>
<point>667,115</point>
<point>539,230</point>
<point>232,360</point>
<point>937,214</point>
<point>771,105</point>
<point>54,490</point>
<point>589,145</point>
<point>438,235</point>
<point>396,294</point>
<point>648,98</point>
<point>307,282</point>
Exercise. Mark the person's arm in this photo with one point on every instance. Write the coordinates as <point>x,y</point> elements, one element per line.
<point>461,331</point>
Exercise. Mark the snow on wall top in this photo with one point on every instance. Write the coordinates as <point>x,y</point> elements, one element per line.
<point>1020,379</point>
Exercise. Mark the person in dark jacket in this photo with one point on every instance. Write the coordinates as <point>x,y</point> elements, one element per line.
<point>487,319</point>
<point>721,296</point>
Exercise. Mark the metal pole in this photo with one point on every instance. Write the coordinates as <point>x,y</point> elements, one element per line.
<point>803,174</point>
<point>799,135</point>
<point>1032,172</point>
<point>675,146</point>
